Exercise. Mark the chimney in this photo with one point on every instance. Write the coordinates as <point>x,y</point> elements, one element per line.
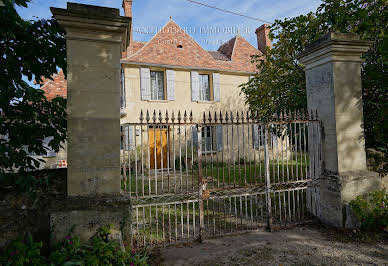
<point>263,38</point>
<point>127,5</point>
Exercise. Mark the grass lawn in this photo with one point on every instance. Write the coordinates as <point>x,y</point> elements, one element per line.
<point>218,175</point>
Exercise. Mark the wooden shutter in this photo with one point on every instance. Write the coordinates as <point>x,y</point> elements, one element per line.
<point>216,87</point>
<point>194,86</point>
<point>194,133</point>
<point>126,139</point>
<point>170,85</point>
<point>122,92</point>
<point>219,139</point>
<point>255,136</point>
<point>145,84</point>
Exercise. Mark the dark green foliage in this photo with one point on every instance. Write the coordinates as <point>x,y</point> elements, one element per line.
<point>280,85</point>
<point>31,49</point>
<point>70,251</point>
<point>372,210</point>
<point>23,252</point>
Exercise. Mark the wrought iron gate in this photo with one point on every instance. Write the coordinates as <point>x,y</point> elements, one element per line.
<point>226,173</point>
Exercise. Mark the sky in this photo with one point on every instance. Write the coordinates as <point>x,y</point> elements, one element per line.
<point>209,27</point>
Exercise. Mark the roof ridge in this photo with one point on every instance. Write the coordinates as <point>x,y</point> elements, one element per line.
<point>220,49</point>
<point>249,43</point>
<point>170,20</point>
<point>234,46</point>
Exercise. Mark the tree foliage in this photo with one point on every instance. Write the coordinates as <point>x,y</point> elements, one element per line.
<point>280,83</point>
<point>29,50</point>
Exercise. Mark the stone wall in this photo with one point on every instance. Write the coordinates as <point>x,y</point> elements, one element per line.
<point>20,213</point>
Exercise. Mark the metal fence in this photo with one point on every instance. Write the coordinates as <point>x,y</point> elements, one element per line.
<point>228,172</point>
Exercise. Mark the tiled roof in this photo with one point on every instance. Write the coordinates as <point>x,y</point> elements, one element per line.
<point>218,55</point>
<point>54,87</point>
<point>135,46</point>
<point>227,48</point>
<point>173,46</point>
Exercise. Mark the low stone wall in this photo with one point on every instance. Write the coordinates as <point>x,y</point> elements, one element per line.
<point>328,196</point>
<point>51,215</point>
<point>83,216</point>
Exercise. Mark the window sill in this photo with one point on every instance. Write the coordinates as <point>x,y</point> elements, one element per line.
<point>158,101</point>
<point>208,102</point>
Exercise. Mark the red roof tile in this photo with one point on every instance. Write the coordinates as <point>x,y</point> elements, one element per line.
<point>54,87</point>
<point>218,55</point>
<point>173,46</point>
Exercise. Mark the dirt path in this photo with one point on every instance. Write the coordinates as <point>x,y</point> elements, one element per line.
<point>299,246</point>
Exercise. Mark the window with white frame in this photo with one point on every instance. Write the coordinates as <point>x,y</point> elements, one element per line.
<point>211,138</point>
<point>157,85</point>
<point>204,87</point>
<point>127,137</point>
<point>257,136</point>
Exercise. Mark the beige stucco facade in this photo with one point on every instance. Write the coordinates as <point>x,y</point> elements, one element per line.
<point>231,98</point>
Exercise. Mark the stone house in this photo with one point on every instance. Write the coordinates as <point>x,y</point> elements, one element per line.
<point>172,72</point>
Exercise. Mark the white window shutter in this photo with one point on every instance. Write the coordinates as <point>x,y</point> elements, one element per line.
<point>274,141</point>
<point>145,84</point>
<point>219,139</point>
<point>194,86</point>
<point>50,152</point>
<point>170,84</point>
<point>216,87</point>
<point>194,136</point>
<point>130,137</point>
<point>126,139</point>
<point>122,92</point>
<point>255,136</point>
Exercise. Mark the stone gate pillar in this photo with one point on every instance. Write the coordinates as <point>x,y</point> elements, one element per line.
<point>95,38</point>
<point>333,81</point>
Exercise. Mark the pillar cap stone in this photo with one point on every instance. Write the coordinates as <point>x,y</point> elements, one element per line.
<point>80,17</point>
<point>262,27</point>
<point>334,46</point>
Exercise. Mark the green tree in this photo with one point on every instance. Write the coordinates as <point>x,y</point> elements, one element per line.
<point>28,50</point>
<point>280,84</point>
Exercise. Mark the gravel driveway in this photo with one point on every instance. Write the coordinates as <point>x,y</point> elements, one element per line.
<point>307,245</point>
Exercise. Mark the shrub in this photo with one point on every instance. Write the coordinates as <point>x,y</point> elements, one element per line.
<point>23,252</point>
<point>372,210</point>
<point>70,251</point>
